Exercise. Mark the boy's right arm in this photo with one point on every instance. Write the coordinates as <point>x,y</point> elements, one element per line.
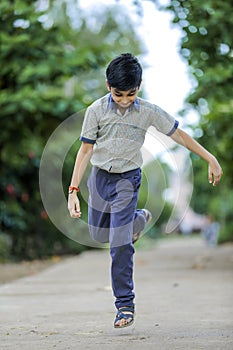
<point>82,160</point>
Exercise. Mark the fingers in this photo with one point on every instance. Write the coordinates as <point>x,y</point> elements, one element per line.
<point>210,177</point>
<point>75,214</point>
<point>74,209</point>
<point>214,178</point>
<point>217,179</point>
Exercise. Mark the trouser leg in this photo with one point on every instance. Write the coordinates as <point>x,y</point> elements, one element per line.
<point>113,217</point>
<point>139,221</point>
<point>98,207</point>
<point>122,275</point>
<point>123,211</point>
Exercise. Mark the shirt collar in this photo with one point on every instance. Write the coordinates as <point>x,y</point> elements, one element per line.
<point>112,105</point>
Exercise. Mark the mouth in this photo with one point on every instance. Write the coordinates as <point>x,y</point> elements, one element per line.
<point>124,105</point>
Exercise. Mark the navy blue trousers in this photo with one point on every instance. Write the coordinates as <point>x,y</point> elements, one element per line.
<point>113,218</point>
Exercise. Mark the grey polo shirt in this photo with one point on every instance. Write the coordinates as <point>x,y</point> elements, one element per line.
<point>118,138</point>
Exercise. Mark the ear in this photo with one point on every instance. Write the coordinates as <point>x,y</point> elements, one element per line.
<point>108,86</point>
<point>139,85</point>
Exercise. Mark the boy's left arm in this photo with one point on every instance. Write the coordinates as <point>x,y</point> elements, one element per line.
<point>214,170</point>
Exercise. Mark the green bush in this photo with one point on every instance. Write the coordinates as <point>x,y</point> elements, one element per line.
<point>49,71</point>
<point>5,247</point>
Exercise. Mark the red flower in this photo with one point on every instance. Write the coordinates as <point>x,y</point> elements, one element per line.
<point>10,189</point>
<point>31,154</point>
<point>43,215</point>
<point>25,197</point>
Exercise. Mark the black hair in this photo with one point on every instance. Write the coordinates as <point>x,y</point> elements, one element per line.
<point>124,72</point>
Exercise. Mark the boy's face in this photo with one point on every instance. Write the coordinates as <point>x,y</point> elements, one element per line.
<point>123,98</point>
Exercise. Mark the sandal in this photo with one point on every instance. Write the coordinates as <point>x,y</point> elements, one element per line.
<point>126,313</point>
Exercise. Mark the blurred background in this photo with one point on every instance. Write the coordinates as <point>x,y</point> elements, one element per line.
<point>53,60</point>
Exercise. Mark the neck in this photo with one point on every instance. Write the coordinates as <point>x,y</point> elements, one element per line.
<point>122,110</point>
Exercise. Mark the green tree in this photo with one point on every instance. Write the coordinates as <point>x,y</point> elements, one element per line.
<point>51,67</point>
<point>207,45</point>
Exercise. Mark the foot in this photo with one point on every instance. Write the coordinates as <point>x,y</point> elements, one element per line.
<point>148,216</point>
<point>124,317</point>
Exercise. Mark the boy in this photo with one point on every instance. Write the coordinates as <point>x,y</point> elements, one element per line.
<point>112,135</point>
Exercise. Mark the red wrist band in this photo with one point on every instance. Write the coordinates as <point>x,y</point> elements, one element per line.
<point>73,188</point>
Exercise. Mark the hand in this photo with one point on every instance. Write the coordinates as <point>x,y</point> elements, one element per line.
<point>214,172</point>
<point>74,205</point>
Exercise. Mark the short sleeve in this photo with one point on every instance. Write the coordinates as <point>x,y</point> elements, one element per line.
<point>163,122</point>
<point>90,127</point>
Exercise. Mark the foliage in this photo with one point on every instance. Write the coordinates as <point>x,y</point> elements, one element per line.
<point>207,47</point>
<point>51,67</point>
<point>155,179</point>
<point>5,245</point>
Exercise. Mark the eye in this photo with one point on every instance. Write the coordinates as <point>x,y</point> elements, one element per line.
<point>132,93</point>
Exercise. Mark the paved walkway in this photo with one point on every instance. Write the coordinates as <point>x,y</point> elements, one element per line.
<point>184,301</point>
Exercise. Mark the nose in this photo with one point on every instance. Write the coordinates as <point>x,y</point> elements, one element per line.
<point>125,100</point>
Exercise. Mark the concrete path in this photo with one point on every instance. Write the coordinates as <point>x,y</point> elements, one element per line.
<point>184,301</point>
